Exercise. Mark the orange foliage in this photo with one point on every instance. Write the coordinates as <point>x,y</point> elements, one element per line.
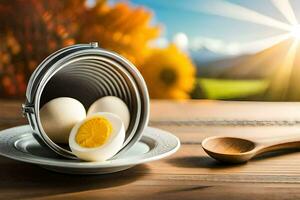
<point>120,28</point>
<point>30,30</point>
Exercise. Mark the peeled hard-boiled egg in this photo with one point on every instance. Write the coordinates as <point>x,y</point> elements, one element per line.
<point>58,117</point>
<point>113,105</point>
<point>97,138</point>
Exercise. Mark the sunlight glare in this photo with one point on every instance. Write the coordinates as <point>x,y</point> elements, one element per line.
<point>283,75</point>
<point>286,9</point>
<point>295,32</point>
<point>259,45</point>
<point>235,11</point>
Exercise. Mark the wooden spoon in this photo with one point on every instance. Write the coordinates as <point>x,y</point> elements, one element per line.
<point>239,150</point>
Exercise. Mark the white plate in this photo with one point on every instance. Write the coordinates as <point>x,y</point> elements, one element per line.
<point>19,144</point>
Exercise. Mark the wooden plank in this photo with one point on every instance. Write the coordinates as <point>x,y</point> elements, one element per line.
<point>207,109</point>
<point>201,191</point>
<point>10,114</point>
<point>188,174</point>
<point>149,181</point>
<point>176,174</point>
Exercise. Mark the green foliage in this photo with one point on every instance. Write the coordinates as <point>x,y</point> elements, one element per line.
<point>228,89</point>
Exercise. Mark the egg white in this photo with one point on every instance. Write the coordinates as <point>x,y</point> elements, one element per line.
<point>113,105</point>
<point>59,116</point>
<point>106,151</point>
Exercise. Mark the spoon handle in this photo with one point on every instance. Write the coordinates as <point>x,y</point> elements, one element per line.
<point>282,142</point>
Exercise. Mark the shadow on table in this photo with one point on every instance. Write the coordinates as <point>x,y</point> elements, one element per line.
<point>197,162</point>
<point>20,180</point>
<point>208,162</point>
<point>277,153</point>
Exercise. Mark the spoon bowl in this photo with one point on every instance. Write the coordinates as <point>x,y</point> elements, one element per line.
<point>229,149</point>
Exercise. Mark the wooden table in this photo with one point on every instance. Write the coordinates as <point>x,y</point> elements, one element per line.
<point>189,173</point>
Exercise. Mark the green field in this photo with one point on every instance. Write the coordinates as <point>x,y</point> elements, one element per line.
<point>231,89</point>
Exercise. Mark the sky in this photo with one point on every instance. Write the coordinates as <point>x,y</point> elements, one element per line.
<point>205,23</point>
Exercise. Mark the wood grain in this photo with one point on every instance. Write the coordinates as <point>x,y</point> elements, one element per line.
<point>188,174</point>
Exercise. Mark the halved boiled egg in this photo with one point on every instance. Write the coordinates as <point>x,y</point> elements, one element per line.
<point>98,137</point>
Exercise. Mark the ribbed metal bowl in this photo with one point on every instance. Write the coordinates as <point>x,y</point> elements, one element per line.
<point>86,72</point>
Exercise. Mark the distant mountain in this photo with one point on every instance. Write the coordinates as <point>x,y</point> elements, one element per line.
<point>258,65</point>
<point>216,67</point>
<point>275,64</point>
<point>204,55</point>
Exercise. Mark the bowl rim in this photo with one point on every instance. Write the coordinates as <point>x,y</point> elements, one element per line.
<point>41,76</point>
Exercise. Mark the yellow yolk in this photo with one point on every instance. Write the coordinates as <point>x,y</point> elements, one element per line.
<point>94,132</point>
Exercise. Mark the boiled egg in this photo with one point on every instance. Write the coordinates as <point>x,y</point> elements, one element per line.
<point>98,137</point>
<point>58,117</point>
<point>113,105</point>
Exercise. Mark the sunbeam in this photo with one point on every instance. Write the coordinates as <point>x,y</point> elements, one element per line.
<point>286,9</point>
<point>295,32</point>
<point>262,44</point>
<point>234,11</point>
<point>263,60</point>
<point>283,74</point>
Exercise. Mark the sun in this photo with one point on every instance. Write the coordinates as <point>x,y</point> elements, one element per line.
<point>295,31</point>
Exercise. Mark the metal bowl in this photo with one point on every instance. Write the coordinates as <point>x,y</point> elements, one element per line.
<point>86,72</point>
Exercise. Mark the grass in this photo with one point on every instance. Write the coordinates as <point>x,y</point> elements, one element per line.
<point>231,89</point>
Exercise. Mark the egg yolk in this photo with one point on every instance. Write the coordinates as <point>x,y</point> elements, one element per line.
<point>94,132</point>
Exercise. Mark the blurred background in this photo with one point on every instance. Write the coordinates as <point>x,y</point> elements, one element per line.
<point>200,49</point>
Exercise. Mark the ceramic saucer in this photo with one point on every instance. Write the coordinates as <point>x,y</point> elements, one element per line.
<point>18,143</point>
